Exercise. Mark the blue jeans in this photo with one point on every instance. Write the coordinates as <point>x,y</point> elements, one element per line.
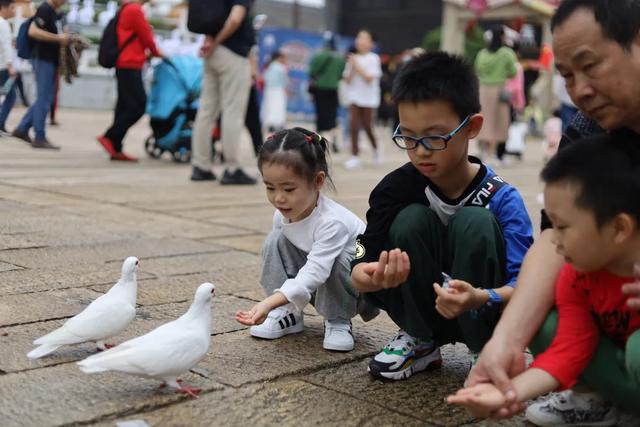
<point>9,99</point>
<point>45,75</point>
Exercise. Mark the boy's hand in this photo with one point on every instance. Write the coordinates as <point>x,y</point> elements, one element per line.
<point>481,400</point>
<point>255,316</point>
<point>458,298</point>
<point>633,289</point>
<point>391,270</point>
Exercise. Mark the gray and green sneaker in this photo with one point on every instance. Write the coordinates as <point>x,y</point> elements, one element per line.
<point>403,356</point>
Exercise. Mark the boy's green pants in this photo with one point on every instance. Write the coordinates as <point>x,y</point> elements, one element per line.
<point>470,248</point>
<point>612,372</point>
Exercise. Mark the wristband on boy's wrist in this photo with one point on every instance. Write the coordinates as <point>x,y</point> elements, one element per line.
<point>494,298</point>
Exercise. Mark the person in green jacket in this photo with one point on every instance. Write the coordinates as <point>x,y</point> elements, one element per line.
<point>494,66</point>
<point>325,73</point>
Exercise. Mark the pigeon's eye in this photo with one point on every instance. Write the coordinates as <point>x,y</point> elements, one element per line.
<point>137,262</point>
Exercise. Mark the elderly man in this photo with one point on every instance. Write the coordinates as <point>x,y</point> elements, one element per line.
<point>597,50</point>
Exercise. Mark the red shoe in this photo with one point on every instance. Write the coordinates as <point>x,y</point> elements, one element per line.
<point>124,157</point>
<point>107,145</point>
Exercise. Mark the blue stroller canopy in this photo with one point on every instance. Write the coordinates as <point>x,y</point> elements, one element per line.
<point>175,81</point>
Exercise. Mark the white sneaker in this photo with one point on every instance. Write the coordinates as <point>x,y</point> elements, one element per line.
<point>352,163</point>
<point>377,157</point>
<point>279,322</point>
<point>569,408</point>
<point>337,335</point>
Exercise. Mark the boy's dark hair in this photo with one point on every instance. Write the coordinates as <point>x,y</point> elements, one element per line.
<point>439,76</point>
<point>300,149</point>
<point>619,19</point>
<point>606,170</point>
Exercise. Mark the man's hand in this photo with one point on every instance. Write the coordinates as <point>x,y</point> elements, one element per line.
<point>12,71</point>
<point>391,270</point>
<point>481,400</point>
<point>633,289</point>
<point>64,39</point>
<point>255,316</point>
<point>500,361</point>
<point>209,45</point>
<point>458,298</point>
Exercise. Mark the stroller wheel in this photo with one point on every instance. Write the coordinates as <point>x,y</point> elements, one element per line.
<point>183,155</point>
<point>151,148</point>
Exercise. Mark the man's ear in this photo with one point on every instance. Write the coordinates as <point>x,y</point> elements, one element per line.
<point>475,124</point>
<point>624,227</point>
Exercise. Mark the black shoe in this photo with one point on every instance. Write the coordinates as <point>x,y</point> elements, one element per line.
<point>22,135</point>
<point>202,175</point>
<point>44,143</point>
<point>239,177</point>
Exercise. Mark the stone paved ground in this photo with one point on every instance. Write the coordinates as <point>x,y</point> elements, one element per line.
<point>69,218</point>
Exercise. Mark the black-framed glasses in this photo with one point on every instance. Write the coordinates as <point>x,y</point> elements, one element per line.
<point>431,143</point>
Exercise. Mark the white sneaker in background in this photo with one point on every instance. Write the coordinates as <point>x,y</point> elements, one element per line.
<point>569,408</point>
<point>378,158</point>
<point>352,163</point>
<point>338,335</point>
<point>279,322</point>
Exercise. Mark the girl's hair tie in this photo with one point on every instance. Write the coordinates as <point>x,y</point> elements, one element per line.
<point>309,139</point>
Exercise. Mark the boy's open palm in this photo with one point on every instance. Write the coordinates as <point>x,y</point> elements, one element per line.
<point>481,400</point>
<point>391,270</point>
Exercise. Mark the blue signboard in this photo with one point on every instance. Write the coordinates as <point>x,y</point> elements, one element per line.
<point>298,47</point>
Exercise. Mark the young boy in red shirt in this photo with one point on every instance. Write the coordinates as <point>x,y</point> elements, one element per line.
<point>591,197</point>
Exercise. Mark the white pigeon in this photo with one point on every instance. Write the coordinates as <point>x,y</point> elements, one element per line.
<point>105,317</point>
<point>167,351</point>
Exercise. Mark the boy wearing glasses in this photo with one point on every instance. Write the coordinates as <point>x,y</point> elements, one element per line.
<point>444,214</point>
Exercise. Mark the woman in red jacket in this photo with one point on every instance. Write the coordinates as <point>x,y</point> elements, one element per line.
<point>132,98</point>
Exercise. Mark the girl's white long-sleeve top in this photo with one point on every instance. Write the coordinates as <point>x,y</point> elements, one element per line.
<point>324,235</point>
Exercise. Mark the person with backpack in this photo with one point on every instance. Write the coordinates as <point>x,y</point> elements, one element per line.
<point>226,84</point>
<point>134,39</point>
<point>44,39</point>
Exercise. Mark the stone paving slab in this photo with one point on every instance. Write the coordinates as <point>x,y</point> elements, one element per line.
<point>282,403</point>
<point>111,251</point>
<point>237,358</point>
<point>44,305</point>
<point>217,260</point>
<point>63,394</point>
<point>75,275</point>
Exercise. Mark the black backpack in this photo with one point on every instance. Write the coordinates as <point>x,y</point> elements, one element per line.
<point>108,51</point>
<point>206,16</point>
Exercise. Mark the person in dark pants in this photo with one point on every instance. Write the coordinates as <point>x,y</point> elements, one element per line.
<point>135,38</point>
<point>252,118</point>
<point>444,211</point>
<point>326,70</point>
<point>45,32</point>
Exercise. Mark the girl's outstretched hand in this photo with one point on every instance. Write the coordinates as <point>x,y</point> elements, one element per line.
<point>255,316</point>
<point>481,400</point>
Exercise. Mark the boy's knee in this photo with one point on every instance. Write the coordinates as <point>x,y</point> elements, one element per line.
<point>414,220</point>
<point>547,332</point>
<point>468,220</point>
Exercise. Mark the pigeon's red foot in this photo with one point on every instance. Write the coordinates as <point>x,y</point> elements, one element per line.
<point>191,391</point>
<point>106,347</point>
<point>163,385</point>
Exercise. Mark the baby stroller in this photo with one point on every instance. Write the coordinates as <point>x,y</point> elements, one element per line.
<point>172,107</point>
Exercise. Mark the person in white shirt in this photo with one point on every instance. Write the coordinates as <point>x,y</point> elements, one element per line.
<point>362,75</point>
<point>7,71</point>
<point>307,257</point>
